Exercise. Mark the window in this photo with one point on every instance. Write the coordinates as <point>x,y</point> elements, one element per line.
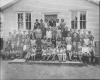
<point>82,20</point>
<point>78,19</point>
<point>24,21</point>
<point>74,19</point>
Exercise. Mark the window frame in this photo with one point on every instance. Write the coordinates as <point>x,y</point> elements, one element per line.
<point>24,20</point>
<point>78,18</point>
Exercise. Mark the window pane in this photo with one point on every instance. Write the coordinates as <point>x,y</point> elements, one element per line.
<point>20,25</point>
<point>75,24</point>
<point>83,15</point>
<point>27,25</point>
<point>72,24</point>
<point>80,24</point>
<point>84,24</point>
<point>29,16</point>
<point>74,15</point>
<point>20,17</point>
<point>26,17</point>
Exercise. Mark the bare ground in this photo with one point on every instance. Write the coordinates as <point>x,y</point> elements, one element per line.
<point>40,71</point>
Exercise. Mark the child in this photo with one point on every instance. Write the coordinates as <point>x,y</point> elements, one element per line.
<point>48,33</point>
<point>44,50</point>
<point>33,42</point>
<point>90,36</point>
<point>85,52</point>
<point>59,53</point>
<point>39,52</point>
<point>63,42</point>
<point>7,49</point>
<point>65,32</point>
<point>86,40</point>
<point>38,41</point>
<point>53,52</point>
<point>33,53</point>
<point>79,48</point>
<point>63,53</point>
<point>92,54</point>
<point>59,33</point>
<point>38,32</point>
<point>69,51</point>
<point>57,23</point>
<point>68,39</point>
<point>44,41</point>
<point>49,42</point>
<point>28,55</point>
<point>49,52</point>
<point>58,42</point>
<point>53,40</point>
<point>54,31</point>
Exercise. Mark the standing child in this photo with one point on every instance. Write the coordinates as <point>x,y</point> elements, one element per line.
<point>53,40</point>
<point>79,48</point>
<point>63,53</point>
<point>49,42</point>
<point>49,53</point>
<point>53,52</point>
<point>85,52</point>
<point>58,42</point>
<point>48,33</point>
<point>59,33</point>
<point>33,53</point>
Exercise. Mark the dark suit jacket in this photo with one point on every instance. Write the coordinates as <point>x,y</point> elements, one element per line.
<point>52,23</point>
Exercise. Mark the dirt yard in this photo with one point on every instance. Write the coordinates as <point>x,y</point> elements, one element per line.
<point>40,71</point>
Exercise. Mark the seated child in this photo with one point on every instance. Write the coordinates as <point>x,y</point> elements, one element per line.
<point>33,53</point>
<point>38,41</point>
<point>63,50</point>
<point>53,40</point>
<point>33,42</point>
<point>49,52</point>
<point>49,42</point>
<point>39,52</point>
<point>44,50</point>
<point>53,52</point>
<point>58,41</point>
<point>85,52</point>
<point>86,41</point>
<point>79,48</point>
<point>68,39</point>
<point>44,41</point>
<point>59,53</point>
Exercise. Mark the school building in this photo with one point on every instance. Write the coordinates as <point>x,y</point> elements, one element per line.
<point>78,14</point>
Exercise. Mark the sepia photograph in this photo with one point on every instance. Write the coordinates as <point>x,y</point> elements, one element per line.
<point>49,39</point>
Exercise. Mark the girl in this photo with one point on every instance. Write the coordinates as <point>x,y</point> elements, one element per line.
<point>68,39</point>
<point>48,33</point>
<point>49,53</point>
<point>33,42</point>
<point>44,41</point>
<point>65,32</point>
<point>54,31</point>
<point>59,53</point>
<point>38,32</point>
<point>90,36</point>
<point>58,42</point>
<point>46,23</point>
<point>57,23</point>
<point>59,33</point>
<point>44,50</point>
<point>33,53</point>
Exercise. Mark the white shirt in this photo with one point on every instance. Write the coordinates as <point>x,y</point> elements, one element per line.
<point>57,24</point>
<point>85,50</point>
<point>86,41</point>
<point>49,34</point>
<point>69,47</point>
<point>24,47</point>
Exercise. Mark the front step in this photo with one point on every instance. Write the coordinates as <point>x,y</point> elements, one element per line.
<point>22,61</point>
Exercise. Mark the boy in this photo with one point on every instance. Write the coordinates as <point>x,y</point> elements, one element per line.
<point>38,41</point>
<point>33,42</point>
<point>44,41</point>
<point>33,53</point>
<point>59,33</point>
<point>65,32</point>
<point>58,42</point>
<point>63,53</point>
<point>68,39</point>
<point>28,55</point>
<point>39,52</point>
<point>79,48</point>
<point>92,54</point>
<point>90,36</point>
<point>85,52</point>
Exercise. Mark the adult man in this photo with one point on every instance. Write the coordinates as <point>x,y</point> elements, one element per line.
<point>52,23</point>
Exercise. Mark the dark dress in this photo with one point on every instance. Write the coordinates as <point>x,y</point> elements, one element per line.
<point>65,33</point>
<point>42,27</point>
<point>36,25</point>
<point>52,23</point>
<point>53,40</point>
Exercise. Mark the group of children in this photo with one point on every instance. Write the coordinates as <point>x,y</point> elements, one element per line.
<point>56,44</point>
